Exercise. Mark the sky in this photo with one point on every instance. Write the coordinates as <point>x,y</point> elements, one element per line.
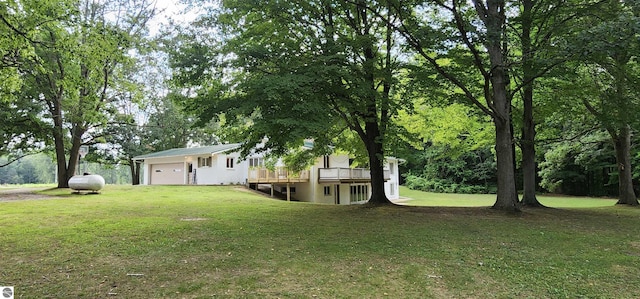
<point>171,9</point>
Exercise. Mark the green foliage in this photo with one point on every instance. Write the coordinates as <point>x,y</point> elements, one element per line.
<point>28,170</point>
<point>290,73</point>
<point>22,22</point>
<point>40,169</point>
<point>467,172</point>
<point>21,128</point>
<point>299,159</point>
<point>582,167</point>
<point>603,79</point>
<point>76,77</point>
<point>445,186</point>
<point>457,157</point>
<point>286,71</point>
<point>604,74</point>
<point>24,172</point>
<point>168,127</point>
<point>455,125</point>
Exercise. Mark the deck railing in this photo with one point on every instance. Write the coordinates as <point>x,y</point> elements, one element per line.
<point>278,175</point>
<point>347,174</point>
<point>282,175</point>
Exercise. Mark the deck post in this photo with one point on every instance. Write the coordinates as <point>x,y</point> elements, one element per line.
<point>288,192</point>
<point>271,190</point>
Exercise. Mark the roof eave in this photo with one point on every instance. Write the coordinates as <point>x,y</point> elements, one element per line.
<point>225,151</point>
<point>142,158</point>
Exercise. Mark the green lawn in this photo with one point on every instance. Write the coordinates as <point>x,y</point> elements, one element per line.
<point>203,242</point>
<point>419,198</point>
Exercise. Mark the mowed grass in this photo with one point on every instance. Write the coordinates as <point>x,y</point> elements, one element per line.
<point>226,242</point>
<point>419,198</point>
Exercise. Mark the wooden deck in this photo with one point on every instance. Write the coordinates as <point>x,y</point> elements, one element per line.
<point>325,175</point>
<point>278,175</point>
<point>347,175</point>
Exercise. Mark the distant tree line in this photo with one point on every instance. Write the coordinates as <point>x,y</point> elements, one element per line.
<point>39,169</point>
<point>584,167</point>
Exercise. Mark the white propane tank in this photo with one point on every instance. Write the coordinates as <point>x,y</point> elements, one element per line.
<point>86,182</point>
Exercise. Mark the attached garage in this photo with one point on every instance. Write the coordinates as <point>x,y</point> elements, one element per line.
<point>167,174</point>
<point>214,165</point>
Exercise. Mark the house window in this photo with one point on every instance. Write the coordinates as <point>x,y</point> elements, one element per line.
<point>256,162</point>
<point>229,162</point>
<point>204,162</point>
<point>359,193</point>
<point>391,168</point>
<point>327,190</point>
<point>325,161</point>
<point>392,189</point>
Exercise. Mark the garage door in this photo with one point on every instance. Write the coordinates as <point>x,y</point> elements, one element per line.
<point>167,174</point>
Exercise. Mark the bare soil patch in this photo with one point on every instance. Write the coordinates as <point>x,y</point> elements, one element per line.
<point>23,194</point>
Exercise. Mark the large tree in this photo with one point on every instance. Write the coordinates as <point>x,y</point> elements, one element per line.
<point>490,52</point>
<point>466,44</point>
<point>536,28</point>
<point>21,126</point>
<point>73,74</point>
<point>297,70</point>
<point>539,29</point>
<point>607,80</point>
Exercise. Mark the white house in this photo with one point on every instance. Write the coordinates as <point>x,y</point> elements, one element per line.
<point>329,180</point>
<point>209,165</point>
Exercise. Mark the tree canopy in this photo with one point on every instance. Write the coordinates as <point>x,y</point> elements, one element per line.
<point>73,77</point>
<point>297,70</point>
<point>487,86</point>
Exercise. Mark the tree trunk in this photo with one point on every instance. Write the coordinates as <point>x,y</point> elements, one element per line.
<point>66,170</point>
<point>135,172</point>
<point>529,152</point>
<point>529,130</point>
<point>507,197</point>
<point>623,158</point>
<point>61,161</point>
<point>374,120</point>
<point>376,159</point>
<point>58,141</point>
<point>493,16</point>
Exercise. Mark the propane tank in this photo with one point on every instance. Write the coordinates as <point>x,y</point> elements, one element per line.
<point>86,182</point>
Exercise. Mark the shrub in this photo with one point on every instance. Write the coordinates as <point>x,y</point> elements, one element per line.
<point>415,182</point>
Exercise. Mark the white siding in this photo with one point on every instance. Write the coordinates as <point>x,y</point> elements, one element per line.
<point>391,187</point>
<point>175,170</point>
<point>216,174</point>
<point>219,174</point>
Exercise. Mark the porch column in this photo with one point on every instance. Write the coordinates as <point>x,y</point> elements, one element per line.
<point>185,169</point>
<point>271,190</point>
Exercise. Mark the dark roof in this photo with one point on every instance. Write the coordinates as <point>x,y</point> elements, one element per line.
<point>193,151</point>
